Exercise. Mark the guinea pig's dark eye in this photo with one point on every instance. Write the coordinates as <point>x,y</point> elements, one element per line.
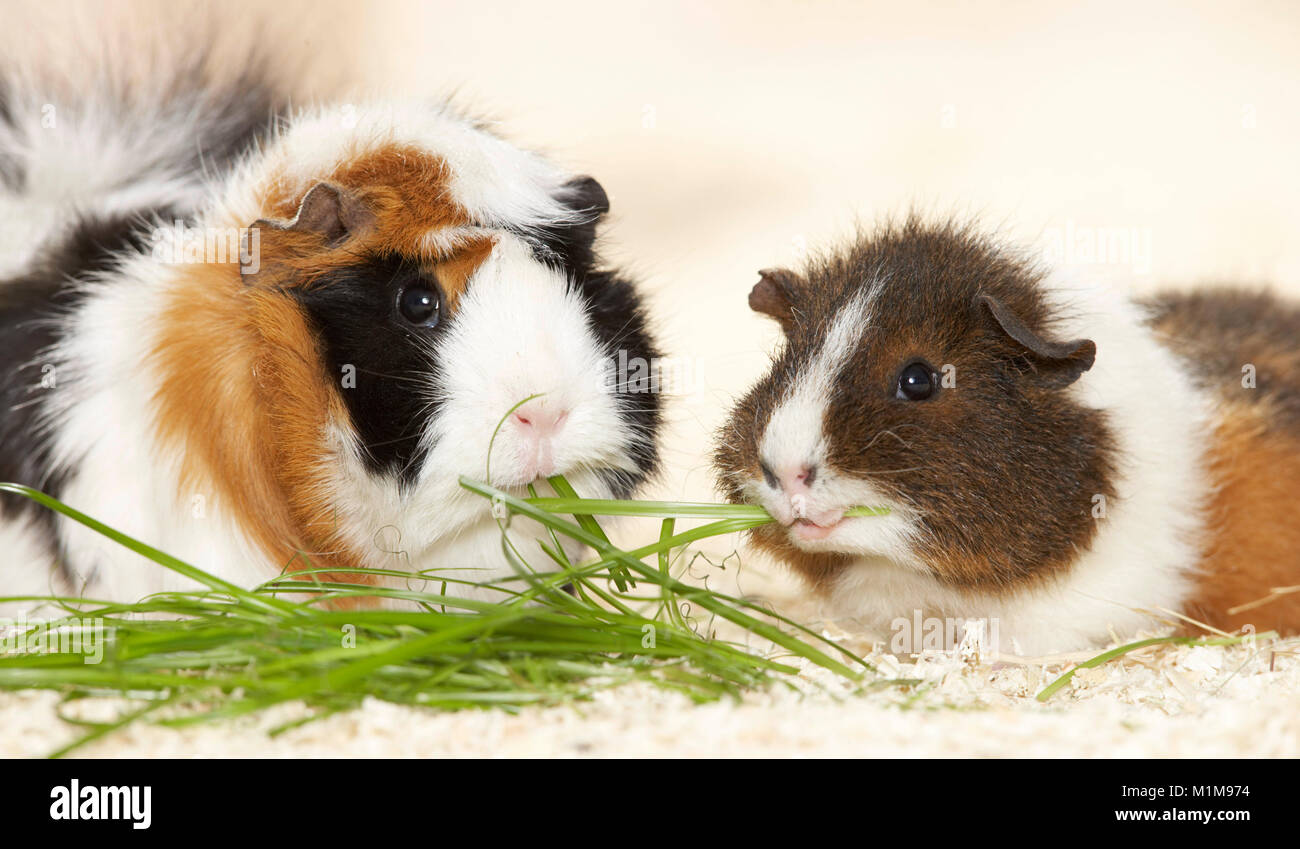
<point>420,303</point>
<point>916,383</point>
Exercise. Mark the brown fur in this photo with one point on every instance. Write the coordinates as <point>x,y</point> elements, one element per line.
<point>1253,544</point>
<point>252,419</point>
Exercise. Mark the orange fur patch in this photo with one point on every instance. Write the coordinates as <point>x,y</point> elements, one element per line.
<point>248,412</point>
<point>1254,543</point>
<point>453,273</point>
<point>407,191</point>
<point>406,188</point>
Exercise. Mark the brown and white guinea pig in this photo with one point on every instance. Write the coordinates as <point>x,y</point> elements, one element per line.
<point>407,278</point>
<point>1059,459</point>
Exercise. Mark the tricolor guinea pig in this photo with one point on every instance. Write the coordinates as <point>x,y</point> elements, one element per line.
<point>1058,459</point>
<point>267,341</point>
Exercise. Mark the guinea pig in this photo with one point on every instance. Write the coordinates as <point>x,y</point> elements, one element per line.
<point>266,340</point>
<point>1058,460</point>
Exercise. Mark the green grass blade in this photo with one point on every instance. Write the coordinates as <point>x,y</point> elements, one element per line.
<point>1119,651</point>
<point>267,605</point>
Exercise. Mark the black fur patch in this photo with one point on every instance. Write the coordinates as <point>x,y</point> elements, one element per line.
<point>233,119</point>
<point>618,319</point>
<point>30,308</point>
<point>573,245</point>
<point>11,175</point>
<point>1220,331</point>
<point>356,315</point>
<point>214,126</point>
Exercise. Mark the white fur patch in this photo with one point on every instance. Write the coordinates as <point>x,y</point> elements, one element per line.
<point>95,154</point>
<point>28,570</point>
<point>796,435</point>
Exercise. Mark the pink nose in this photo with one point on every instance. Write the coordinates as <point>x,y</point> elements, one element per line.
<point>539,421</point>
<point>537,425</point>
<point>797,479</point>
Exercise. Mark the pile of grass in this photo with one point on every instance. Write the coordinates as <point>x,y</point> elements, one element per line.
<point>560,634</point>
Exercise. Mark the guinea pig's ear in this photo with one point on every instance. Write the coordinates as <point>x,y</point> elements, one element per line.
<point>584,194</point>
<point>1055,364</point>
<point>329,211</point>
<point>775,294</point>
<point>574,241</point>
